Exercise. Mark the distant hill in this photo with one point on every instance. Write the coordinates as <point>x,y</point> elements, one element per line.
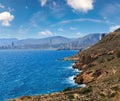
<point>55,42</point>
<point>7,41</point>
<point>49,40</point>
<point>86,41</point>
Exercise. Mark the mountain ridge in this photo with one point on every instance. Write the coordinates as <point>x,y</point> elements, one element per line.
<point>54,42</point>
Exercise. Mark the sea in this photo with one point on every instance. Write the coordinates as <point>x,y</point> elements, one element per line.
<point>33,72</point>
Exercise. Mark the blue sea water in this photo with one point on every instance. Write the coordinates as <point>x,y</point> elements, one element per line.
<point>31,72</point>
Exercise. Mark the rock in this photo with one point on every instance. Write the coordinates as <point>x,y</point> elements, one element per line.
<point>87,77</point>
<point>71,59</point>
<point>110,52</point>
<point>84,78</point>
<point>95,63</point>
<point>77,65</point>
<point>83,62</point>
<point>117,30</point>
<point>84,67</point>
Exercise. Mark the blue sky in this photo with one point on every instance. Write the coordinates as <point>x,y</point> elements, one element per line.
<point>70,18</point>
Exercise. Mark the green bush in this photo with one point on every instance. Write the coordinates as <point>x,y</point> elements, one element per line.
<point>110,58</point>
<point>111,95</point>
<point>102,94</point>
<point>70,96</point>
<point>67,89</point>
<point>115,88</point>
<point>86,90</point>
<point>118,54</point>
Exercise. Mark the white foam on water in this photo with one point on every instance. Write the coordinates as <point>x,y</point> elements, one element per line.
<point>74,70</point>
<point>82,85</point>
<point>69,67</point>
<point>70,80</point>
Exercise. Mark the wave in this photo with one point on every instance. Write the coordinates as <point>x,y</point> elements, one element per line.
<point>82,85</point>
<point>70,80</point>
<point>77,71</point>
<point>74,70</point>
<point>69,67</point>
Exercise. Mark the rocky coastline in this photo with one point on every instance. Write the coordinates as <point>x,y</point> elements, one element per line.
<point>100,66</point>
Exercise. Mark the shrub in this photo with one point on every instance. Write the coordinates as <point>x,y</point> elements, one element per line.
<point>107,80</point>
<point>110,58</point>
<point>70,96</point>
<point>101,60</point>
<point>102,94</point>
<point>115,88</point>
<point>118,54</point>
<point>67,89</point>
<point>111,95</point>
<point>86,90</point>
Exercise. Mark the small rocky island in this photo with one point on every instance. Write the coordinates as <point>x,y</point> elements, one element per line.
<point>100,65</point>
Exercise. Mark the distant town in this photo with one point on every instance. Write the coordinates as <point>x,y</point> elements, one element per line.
<point>53,43</point>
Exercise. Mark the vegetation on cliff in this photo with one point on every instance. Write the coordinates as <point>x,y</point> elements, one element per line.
<point>100,67</point>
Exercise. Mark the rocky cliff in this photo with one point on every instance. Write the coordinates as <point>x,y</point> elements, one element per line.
<point>102,53</point>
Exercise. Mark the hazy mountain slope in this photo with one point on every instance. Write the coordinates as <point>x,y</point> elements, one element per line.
<point>55,42</point>
<point>7,41</point>
<point>86,41</point>
<point>48,40</point>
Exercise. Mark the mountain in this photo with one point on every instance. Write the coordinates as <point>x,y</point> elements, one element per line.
<point>86,41</point>
<point>43,43</point>
<point>49,40</point>
<point>55,42</point>
<point>7,41</point>
<point>100,65</point>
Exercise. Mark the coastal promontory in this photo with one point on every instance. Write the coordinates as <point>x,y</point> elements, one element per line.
<point>100,66</point>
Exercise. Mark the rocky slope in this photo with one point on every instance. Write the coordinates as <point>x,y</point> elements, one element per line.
<point>100,67</point>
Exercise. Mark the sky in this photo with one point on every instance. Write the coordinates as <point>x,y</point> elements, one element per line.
<point>69,18</point>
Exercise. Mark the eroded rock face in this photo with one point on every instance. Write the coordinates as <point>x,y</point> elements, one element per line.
<point>101,53</point>
<point>77,65</point>
<point>87,77</point>
<point>87,61</point>
<point>83,62</point>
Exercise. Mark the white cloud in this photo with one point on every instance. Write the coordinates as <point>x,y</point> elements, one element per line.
<point>2,6</point>
<point>43,2</point>
<point>5,18</point>
<point>56,9</point>
<point>10,9</point>
<point>60,29</point>
<point>113,28</point>
<point>45,33</point>
<point>73,28</point>
<point>81,5</point>
<point>78,20</point>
